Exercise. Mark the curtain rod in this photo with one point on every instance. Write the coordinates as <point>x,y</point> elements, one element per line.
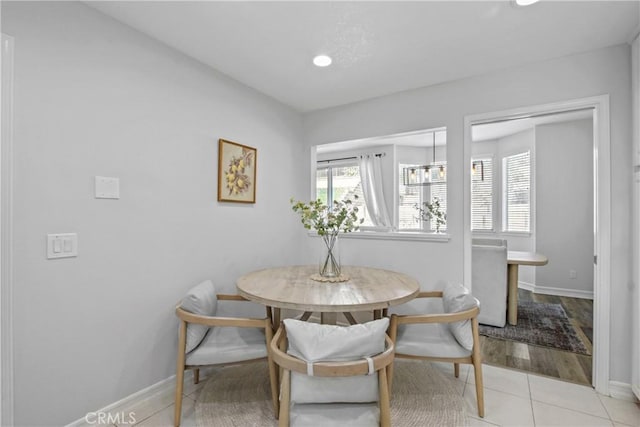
<point>349,158</point>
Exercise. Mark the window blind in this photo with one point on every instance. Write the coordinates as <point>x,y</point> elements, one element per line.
<point>439,190</point>
<point>482,194</point>
<point>517,177</point>
<point>409,197</point>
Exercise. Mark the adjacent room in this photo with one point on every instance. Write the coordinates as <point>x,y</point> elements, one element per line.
<point>209,205</point>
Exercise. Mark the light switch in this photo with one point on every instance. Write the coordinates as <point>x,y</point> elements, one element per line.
<point>63,245</point>
<point>107,187</point>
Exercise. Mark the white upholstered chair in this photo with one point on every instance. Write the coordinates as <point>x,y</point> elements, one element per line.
<point>205,339</point>
<point>333,375</point>
<point>448,336</point>
<point>489,279</point>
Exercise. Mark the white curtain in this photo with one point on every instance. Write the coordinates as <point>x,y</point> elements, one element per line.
<point>371,176</point>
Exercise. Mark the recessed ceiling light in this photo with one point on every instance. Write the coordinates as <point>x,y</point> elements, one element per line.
<point>322,61</point>
<point>526,2</point>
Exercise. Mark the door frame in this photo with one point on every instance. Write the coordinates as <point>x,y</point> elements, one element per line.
<point>6,232</point>
<point>602,214</point>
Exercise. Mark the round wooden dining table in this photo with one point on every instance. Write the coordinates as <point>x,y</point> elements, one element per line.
<point>291,287</point>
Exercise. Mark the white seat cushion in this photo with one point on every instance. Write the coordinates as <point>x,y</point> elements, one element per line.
<point>431,340</point>
<point>334,414</point>
<point>229,344</point>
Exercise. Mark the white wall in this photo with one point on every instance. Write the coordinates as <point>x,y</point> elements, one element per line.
<point>93,97</point>
<point>605,71</point>
<point>564,205</point>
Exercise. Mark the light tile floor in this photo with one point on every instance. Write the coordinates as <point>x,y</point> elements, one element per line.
<point>512,398</point>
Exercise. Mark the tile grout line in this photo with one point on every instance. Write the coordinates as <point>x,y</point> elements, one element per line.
<point>605,408</point>
<point>533,413</point>
<point>577,410</point>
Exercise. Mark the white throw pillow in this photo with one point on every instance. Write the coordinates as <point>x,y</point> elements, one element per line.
<point>202,300</point>
<point>314,343</point>
<point>456,298</point>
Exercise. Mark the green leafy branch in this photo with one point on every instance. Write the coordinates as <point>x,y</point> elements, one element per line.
<point>342,217</point>
<point>433,210</point>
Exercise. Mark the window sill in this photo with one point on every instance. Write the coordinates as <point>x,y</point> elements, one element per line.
<point>516,233</point>
<point>394,235</point>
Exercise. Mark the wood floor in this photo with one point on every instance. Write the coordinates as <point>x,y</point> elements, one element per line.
<point>543,360</point>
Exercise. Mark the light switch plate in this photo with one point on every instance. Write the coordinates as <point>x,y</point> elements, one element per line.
<point>62,245</point>
<point>107,187</point>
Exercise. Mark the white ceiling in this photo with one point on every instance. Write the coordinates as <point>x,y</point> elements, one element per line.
<point>378,47</point>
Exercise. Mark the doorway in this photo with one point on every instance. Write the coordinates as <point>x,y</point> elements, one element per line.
<point>600,190</point>
<point>532,188</point>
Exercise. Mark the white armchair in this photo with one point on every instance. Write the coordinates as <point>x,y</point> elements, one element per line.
<point>206,339</point>
<point>333,375</point>
<point>489,280</point>
<point>450,336</point>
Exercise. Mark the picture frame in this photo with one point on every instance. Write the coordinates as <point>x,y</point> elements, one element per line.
<point>236,172</point>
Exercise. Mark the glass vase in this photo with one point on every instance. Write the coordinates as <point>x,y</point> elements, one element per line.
<point>329,257</point>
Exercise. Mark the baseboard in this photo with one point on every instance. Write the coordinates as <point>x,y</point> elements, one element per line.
<point>526,286</point>
<point>561,292</point>
<point>138,396</point>
<point>622,391</point>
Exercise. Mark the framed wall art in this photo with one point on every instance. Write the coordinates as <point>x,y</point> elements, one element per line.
<point>236,172</point>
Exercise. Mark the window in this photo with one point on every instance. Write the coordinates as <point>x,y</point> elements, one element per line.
<point>412,195</point>
<point>516,193</point>
<point>482,194</point>
<point>438,189</point>
<point>340,182</point>
<point>338,176</point>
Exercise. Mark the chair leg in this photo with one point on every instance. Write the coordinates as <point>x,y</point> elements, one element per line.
<point>477,370</point>
<point>178,403</point>
<point>196,376</point>
<point>389,374</point>
<point>385,410</point>
<point>393,333</point>
<point>286,399</point>
<point>273,373</point>
<point>477,366</point>
<point>273,378</point>
<point>456,369</point>
<point>182,342</point>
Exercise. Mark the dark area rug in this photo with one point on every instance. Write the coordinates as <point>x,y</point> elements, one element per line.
<point>540,324</point>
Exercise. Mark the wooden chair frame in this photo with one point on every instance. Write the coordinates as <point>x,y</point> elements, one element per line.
<point>241,322</point>
<point>381,363</point>
<point>474,359</point>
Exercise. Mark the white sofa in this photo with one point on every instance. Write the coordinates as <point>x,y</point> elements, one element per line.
<point>489,280</point>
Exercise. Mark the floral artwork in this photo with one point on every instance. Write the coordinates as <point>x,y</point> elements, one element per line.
<point>236,172</point>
